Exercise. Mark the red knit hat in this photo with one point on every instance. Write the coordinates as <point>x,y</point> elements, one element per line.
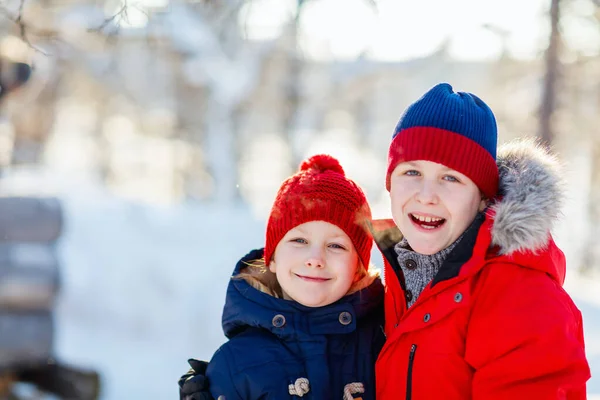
<point>320,191</point>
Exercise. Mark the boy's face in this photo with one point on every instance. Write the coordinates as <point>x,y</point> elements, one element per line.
<point>315,263</point>
<point>432,205</point>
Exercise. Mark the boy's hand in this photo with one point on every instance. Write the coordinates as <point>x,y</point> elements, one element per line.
<point>193,385</point>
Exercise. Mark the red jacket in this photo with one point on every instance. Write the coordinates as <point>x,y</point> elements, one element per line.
<point>495,323</point>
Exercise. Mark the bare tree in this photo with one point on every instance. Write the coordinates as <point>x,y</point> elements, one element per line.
<point>551,78</point>
<point>293,84</point>
<point>591,259</point>
<point>295,70</point>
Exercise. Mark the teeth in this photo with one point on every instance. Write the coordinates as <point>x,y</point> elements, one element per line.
<point>426,219</point>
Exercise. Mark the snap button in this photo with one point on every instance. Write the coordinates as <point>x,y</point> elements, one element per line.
<point>345,318</point>
<point>410,264</point>
<point>458,297</point>
<point>278,321</point>
<point>409,295</point>
<point>426,317</point>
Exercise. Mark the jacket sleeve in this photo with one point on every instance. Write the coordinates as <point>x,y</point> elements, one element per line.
<point>525,338</point>
<point>221,377</point>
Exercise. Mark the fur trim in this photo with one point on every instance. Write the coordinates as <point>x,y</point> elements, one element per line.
<point>530,197</point>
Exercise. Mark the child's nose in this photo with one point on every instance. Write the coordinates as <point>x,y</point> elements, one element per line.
<point>427,193</point>
<point>315,259</point>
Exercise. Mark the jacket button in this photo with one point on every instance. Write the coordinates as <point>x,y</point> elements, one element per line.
<point>409,295</point>
<point>278,321</point>
<point>410,264</point>
<point>458,297</point>
<point>426,317</point>
<point>345,318</point>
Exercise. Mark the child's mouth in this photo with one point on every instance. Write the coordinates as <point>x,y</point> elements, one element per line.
<point>312,279</point>
<point>428,223</point>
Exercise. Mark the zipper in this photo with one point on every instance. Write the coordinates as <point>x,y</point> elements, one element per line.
<point>411,360</point>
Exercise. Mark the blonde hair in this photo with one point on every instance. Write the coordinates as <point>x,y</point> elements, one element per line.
<point>259,276</point>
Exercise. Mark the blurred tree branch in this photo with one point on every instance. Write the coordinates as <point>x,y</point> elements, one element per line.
<point>24,29</point>
<point>107,21</point>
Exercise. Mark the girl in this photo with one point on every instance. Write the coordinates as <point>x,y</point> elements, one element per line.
<point>304,315</point>
<point>474,303</point>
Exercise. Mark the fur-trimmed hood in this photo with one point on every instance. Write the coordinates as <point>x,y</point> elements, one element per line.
<point>530,197</point>
<point>528,204</point>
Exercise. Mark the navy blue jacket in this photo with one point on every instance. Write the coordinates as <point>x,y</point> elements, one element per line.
<point>274,343</point>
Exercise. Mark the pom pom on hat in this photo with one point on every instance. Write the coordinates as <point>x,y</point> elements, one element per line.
<point>322,163</point>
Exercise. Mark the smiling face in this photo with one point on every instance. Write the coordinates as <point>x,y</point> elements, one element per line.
<point>432,205</point>
<point>315,263</point>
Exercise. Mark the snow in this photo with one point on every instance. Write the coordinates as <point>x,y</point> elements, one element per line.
<point>143,289</point>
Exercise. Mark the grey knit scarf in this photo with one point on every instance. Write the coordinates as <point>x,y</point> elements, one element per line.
<point>419,269</point>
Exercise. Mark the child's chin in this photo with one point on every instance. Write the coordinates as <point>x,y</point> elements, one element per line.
<point>313,303</point>
<point>426,248</point>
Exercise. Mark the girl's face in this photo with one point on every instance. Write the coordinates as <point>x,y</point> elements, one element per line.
<point>315,263</point>
<point>432,205</point>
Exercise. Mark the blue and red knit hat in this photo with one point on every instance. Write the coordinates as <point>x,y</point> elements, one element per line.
<point>457,130</point>
<point>320,191</point>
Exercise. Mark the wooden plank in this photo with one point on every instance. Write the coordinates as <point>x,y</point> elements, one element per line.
<point>30,219</point>
<point>64,381</point>
<point>25,338</point>
<point>29,276</point>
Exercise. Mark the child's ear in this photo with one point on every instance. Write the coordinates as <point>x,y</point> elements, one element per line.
<point>358,275</point>
<point>272,266</point>
<point>483,204</point>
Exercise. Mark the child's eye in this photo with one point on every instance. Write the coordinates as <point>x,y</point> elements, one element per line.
<point>451,178</point>
<point>411,172</point>
<point>337,246</point>
<point>299,240</point>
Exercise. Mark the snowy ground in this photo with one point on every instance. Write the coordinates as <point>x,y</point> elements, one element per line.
<point>144,286</point>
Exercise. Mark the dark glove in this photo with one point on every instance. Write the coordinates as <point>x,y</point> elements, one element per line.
<point>194,384</point>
